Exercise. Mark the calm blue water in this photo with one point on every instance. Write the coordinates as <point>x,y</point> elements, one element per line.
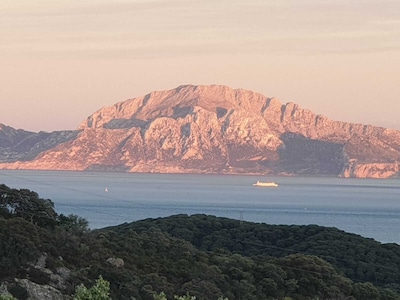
<point>369,207</point>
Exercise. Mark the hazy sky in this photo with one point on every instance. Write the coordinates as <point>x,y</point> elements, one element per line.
<point>61,60</point>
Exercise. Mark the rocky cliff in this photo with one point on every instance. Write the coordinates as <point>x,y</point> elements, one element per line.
<point>210,129</point>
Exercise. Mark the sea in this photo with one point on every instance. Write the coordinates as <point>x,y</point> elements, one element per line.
<point>367,207</point>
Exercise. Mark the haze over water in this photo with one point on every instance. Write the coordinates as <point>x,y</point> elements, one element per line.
<point>369,207</point>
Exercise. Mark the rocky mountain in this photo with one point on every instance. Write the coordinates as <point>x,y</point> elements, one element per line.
<point>21,145</point>
<point>208,129</point>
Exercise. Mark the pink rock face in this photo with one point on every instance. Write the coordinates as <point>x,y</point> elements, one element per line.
<point>211,129</point>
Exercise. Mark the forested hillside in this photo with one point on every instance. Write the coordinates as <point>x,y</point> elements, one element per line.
<point>359,258</point>
<point>204,256</point>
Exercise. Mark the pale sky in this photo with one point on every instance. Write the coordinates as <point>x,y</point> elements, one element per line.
<point>61,60</point>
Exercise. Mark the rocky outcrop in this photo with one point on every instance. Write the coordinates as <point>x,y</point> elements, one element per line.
<point>216,129</point>
<point>41,283</point>
<point>34,291</point>
<point>116,262</point>
<point>370,170</point>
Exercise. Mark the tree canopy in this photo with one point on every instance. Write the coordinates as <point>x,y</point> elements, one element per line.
<point>27,205</point>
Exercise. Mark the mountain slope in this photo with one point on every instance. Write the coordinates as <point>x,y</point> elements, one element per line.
<point>21,145</point>
<point>216,129</point>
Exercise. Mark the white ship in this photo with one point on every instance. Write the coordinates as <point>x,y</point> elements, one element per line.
<point>265,184</point>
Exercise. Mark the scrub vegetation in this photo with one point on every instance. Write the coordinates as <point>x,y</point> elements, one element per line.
<point>191,257</point>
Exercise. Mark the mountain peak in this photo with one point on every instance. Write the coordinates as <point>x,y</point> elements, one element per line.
<point>212,129</point>
<point>173,102</point>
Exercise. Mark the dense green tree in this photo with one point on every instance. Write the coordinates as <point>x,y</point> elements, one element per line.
<point>365,291</point>
<point>18,245</point>
<point>73,224</point>
<point>7,297</point>
<point>99,291</point>
<point>27,205</point>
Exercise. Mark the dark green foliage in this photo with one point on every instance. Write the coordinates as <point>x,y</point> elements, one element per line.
<point>100,291</point>
<point>6,297</point>
<point>359,258</point>
<point>18,240</point>
<point>204,256</point>
<point>251,261</point>
<point>73,224</point>
<point>26,204</point>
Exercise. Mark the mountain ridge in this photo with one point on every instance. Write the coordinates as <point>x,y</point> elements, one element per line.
<point>217,129</point>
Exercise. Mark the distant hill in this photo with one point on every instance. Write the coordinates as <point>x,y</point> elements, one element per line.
<point>208,129</point>
<point>21,145</point>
